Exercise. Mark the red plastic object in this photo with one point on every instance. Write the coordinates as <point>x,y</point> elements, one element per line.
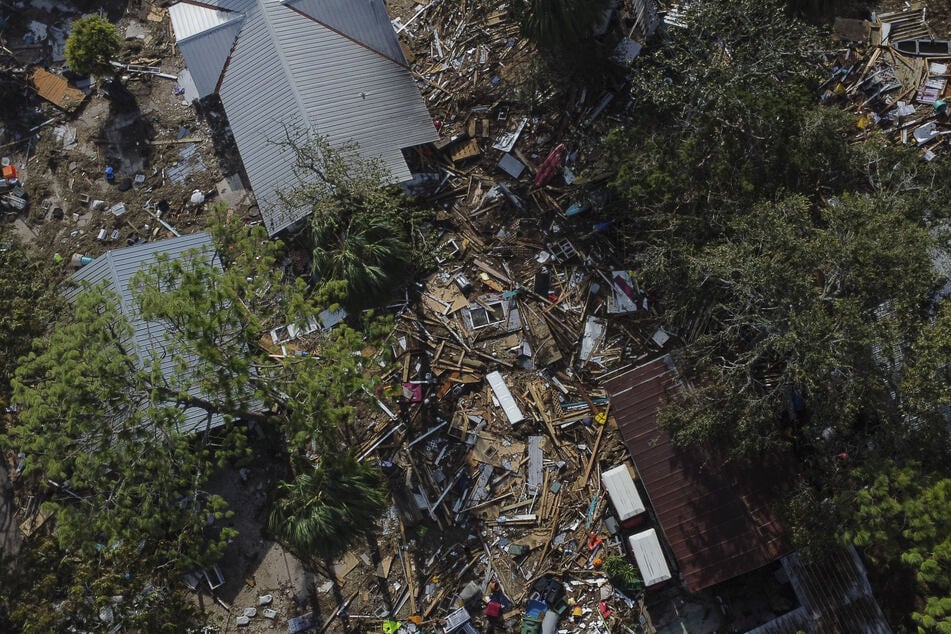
<point>546,170</point>
<point>493,609</point>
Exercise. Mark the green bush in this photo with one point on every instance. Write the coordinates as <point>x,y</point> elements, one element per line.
<point>623,574</point>
<point>92,43</point>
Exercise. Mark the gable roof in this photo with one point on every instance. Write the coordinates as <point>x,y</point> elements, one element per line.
<point>717,522</point>
<point>302,68</point>
<point>116,269</point>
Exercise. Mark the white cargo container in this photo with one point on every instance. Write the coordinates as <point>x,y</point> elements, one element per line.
<point>649,557</point>
<point>624,496</point>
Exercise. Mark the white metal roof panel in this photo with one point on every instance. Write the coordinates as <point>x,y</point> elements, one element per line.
<point>649,556</point>
<point>149,339</point>
<point>623,492</point>
<point>213,48</point>
<point>349,18</point>
<point>504,396</point>
<point>191,19</point>
<point>289,71</point>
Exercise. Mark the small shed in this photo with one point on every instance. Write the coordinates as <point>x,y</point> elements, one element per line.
<point>649,557</point>
<point>624,495</point>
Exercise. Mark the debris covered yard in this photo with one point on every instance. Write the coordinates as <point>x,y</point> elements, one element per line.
<point>496,428</point>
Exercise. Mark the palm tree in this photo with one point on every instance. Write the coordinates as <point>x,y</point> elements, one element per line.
<point>367,253</point>
<point>558,24</point>
<point>323,512</point>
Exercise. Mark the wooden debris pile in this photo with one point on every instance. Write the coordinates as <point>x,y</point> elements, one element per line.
<point>894,75</point>
<point>491,427</point>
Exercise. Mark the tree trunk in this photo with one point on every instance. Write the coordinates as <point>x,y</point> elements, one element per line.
<point>377,558</point>
<point>338,596</point>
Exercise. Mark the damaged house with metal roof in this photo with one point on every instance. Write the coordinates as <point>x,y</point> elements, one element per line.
<point>332,68</point>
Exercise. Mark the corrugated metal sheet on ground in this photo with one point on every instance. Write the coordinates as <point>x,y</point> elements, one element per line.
<point>332,68</point>
<point>150,340</point>
<point>717,522</point>
<point>189,162</point>
<point>835,596</point>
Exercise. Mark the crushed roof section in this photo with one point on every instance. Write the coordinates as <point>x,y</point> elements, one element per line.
<point>56,90</point>
<point>308,67</point>
<point>149,339</point>
<point>717,523</point>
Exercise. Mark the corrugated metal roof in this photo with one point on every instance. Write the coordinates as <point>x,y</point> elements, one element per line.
<point>116,269</point>
<point>328,67</point>
<point>835,594</point>
<point>57,90</point>
<point>717,522</point>
<point>213,48</point>
<point>191,19</point>
<point>349,18</point>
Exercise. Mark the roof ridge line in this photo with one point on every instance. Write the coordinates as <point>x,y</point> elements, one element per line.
<point>287,3</point>
<point>291,79</point>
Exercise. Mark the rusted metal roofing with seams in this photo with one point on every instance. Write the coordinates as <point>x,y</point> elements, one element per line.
<point>717,522</point>
<point>328,67</point>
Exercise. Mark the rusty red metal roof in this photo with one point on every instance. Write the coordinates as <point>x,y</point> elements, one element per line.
<point>717,521</point>
<point>57,90</point>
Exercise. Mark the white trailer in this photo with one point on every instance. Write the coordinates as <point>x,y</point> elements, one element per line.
<point>649,557</point>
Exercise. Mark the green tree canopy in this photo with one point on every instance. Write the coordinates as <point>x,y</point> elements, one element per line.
<point>102,429</point>
<point>27,301</point>
<point>902,519</point>
<point>364,232</point>
<point>797,268</point>
<point>327,509</point>
<point>92,43</point>
<point>559,24</point>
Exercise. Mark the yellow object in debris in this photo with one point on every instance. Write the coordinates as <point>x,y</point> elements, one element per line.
<point>601,418</point>
<point>577,611</point>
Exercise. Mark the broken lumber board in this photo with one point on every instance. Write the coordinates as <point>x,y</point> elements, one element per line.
<point>482,266</point>
<point>594,452</point>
